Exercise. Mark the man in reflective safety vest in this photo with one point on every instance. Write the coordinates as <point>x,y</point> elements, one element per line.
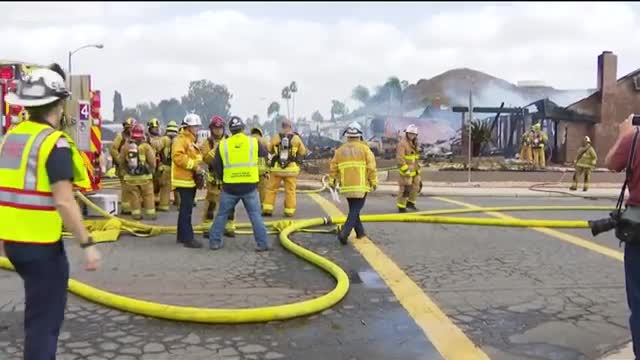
<point>214,184</point>
<point>139,161</point>
<point>39,166</point>
<point>409,169</point>
<point>236,163</point>
<point>262,164</point>
<point>353,167</point>
<point>287,149</point>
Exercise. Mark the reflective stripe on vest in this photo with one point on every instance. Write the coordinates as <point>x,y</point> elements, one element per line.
<point>239,166</point>
<point>26,199</point>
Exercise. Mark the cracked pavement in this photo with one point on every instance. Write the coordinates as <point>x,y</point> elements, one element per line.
<point>516,293</point>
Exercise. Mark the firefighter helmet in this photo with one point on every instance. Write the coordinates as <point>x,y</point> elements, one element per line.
<point>172,126</point>
<point>354,130</point>
<point>137,132</point>
<point>41,87</point>
<point>192,120</point>
<point>412,129</point>
<point>128,124</point>
<point>216,122</point>
<point>256,131</point>
<point>153,123</point>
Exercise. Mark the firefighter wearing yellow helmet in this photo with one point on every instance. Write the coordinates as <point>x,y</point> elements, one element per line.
<point>409,182</point>
<point>115,149</point>
<point>162,177</point>
<point>262,164</point>
<point>538,145</point>
<point>585,162</point>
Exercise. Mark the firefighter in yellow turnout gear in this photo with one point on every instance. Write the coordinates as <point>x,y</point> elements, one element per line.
<point>162,177</point>
<point>214,185</point>
<point>537,146</point>
<point>165,158</point>
<point>585,162</point>
<point>407,157</point>
<point>115,150</point>
<point>525,150</point>
<point>287,149</point>
<point>139,161</point>
<point>263,168</point>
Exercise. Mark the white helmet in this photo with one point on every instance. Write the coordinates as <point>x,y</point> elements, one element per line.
<point>353,130</point>
<point>192,120</point>
<point>411,129</point>
<point>41,87</point>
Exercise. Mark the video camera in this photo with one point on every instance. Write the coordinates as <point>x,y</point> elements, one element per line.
<point>625,222</point>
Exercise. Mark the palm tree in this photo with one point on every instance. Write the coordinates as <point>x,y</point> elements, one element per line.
<point>286,95</point>
<point>274,108</point>
<point>293,88</point>
<point>394,87</point>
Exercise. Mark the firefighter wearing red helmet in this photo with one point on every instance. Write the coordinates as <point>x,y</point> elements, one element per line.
<point>114,151</point>
<point>138,159</point>
<point>214,185</point>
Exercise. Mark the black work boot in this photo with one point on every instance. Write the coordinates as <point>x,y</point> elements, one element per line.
<point>402,210</point>
<point>411,205</point>
<point>193,244</point>
<point>343,239</point>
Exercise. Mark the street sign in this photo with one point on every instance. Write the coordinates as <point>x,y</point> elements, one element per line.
<point>84,110</point>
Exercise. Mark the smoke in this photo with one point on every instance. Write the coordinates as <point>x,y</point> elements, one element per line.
<point>491,94</point>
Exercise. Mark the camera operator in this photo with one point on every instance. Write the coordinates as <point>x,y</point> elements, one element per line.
<point>617,158</point>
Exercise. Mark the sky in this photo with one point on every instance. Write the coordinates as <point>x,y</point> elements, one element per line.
<point>153,50</point>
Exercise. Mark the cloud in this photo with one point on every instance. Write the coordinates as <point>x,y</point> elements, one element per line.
<point>153,50</point>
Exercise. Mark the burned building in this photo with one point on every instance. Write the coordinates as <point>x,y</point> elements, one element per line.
<point>612,102</point>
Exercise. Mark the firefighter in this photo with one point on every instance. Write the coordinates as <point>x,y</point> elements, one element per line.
<point>407,157</point>
<point>162,177</point>
<point>585,162</point>
<point>262,164</point>
<point>214,184</point>
<point>287,150</point>
<point>116,147</point>
<point>139,162</point>
<point>538,144</point>
<point>353,167</point>
<point>187,174</point>
<point>38,167</point>
<point>171,133</point>
<point>525,151</point>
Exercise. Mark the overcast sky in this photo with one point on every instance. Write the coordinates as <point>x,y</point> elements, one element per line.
<point>153,50</point>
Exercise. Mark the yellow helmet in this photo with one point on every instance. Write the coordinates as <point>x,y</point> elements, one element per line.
<point>128,124</point>
<point>587,139</point>
<point>172,126</point>
<point>153,123</point>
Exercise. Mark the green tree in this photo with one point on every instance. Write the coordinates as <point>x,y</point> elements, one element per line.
<point>117,107</point>
<point>207,99</point>
<point>293,89</point>
<point>361,94</point>
<point>171,110</point>
<point>317,117</point>
<point>286,95</point>
<point>274,108</point>
<point>337,108</point>
<point>480,135</point>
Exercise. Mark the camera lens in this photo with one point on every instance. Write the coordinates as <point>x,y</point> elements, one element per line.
<point>601,225</point>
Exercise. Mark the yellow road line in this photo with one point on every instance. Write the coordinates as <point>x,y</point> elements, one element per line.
<point>553,233</point>
<point>447,338</point>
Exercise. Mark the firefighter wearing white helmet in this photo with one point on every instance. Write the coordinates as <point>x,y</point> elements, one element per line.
<point>39,165</point>
<point>585,162</point>
<point>187,171</point>
<point>409,182</point>
<point>353,168</point>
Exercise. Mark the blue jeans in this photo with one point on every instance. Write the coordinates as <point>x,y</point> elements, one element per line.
<point>353,218</point>
<point>45,285</point>
<point>632,281</point>
<point>228,203</point>
<point>185,229</point>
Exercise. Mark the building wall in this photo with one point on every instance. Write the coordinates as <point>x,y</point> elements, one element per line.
<point>575,132</point>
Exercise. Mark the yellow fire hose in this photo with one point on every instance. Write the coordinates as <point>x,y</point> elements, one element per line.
<point>285,228</point>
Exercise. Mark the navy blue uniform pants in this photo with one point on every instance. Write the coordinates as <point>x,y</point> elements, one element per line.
<point>185,229</point>
<point>45,286</point>
<point>632,281</point>
<point>353,218</point>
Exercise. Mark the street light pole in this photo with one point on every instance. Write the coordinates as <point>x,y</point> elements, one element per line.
<point>97,46</point>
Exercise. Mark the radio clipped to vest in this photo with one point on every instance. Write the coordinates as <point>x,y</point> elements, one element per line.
<point>136,164</point>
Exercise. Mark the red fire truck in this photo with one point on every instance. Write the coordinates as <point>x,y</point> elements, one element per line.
<point>82,113</point>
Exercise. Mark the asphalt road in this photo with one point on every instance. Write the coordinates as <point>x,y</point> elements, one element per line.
<point>418,291</point>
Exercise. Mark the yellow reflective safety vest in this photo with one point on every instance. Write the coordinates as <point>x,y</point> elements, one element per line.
<point>239,155</point>
<point>25,192</point>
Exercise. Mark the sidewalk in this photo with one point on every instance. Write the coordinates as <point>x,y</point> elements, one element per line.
<point>626,353</point>
<point>602,191</point>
